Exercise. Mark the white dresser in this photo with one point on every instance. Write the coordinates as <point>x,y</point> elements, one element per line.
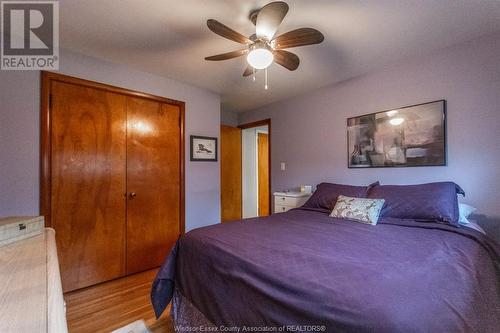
<point>31,298</point>
<point>284,201</point>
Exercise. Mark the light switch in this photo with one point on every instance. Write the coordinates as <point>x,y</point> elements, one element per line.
<point>283,166</point>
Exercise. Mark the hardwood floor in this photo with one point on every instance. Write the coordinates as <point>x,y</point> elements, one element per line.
<point>110,305</point>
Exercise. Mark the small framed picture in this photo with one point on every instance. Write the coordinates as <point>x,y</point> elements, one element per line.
<point>203,149</point>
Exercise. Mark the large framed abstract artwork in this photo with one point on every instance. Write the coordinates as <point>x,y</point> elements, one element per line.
<point>406,137</point>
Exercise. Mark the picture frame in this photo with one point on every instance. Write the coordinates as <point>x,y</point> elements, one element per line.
<point>409,136</point>
<point>203,148</point>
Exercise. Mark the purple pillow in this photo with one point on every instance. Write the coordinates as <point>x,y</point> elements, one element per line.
<point>326,194</point>
<point>430,202</point>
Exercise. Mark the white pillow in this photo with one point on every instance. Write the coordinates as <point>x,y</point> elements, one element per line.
<point>358,209</point>
<point>465,211</point>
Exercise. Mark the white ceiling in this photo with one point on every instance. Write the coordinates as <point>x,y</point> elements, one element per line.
<point>171,39</point>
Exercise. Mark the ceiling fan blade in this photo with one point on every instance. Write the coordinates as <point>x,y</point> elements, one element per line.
<point>228,55</point>
<point>298,37</point>
<point>269,18</point>
<point>224,31</point>
<point>249,71</point>
<point>286,59</point>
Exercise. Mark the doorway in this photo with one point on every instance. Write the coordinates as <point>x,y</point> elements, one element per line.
<point>246,170</point>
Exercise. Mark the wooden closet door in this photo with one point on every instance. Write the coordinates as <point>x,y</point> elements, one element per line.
<point>88,137</point>
<point>230,173</point>
<point>153,182</point>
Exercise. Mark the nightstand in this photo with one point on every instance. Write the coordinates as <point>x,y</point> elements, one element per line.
<point>284,201</point>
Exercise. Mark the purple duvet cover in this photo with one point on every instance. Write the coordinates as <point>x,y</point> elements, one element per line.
<point>306,268</point>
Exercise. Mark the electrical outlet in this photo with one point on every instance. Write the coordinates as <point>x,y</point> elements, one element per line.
<point>283,166</point>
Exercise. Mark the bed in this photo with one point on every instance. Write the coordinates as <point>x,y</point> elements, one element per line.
<point>306,271</point>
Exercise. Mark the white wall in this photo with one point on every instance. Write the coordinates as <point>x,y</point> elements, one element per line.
<point>20,132</point>
<point>250,173</point>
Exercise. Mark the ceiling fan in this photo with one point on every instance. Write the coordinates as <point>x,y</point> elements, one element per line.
<point>262,48</point>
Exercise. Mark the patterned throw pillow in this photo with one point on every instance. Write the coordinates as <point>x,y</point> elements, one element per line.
<point>358,209</point>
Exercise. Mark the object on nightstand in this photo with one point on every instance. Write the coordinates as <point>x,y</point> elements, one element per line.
<point>306,189</point>
<point>284,201</point>
<point>13,229</point>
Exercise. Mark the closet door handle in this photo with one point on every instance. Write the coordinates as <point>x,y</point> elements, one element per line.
<point>132,195</point>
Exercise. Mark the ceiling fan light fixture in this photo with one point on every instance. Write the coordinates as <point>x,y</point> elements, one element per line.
<point>262,48</point>
<point>260,57</point>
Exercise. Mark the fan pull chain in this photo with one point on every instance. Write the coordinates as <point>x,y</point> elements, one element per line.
<point>265,85</point>
<point>253,74</point>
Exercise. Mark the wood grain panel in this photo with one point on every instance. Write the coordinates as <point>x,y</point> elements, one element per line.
<point>231,200</point>
<point>153,182</point>
<point>56,312</point>
<point>263,173</point>
<point>88,140</point>
<point>23,287</point>
<point>31,298</point>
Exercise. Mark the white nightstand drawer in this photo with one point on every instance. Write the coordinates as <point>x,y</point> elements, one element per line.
<point>282,209</point>
<point>284,201</point>
<point>292,202</point>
